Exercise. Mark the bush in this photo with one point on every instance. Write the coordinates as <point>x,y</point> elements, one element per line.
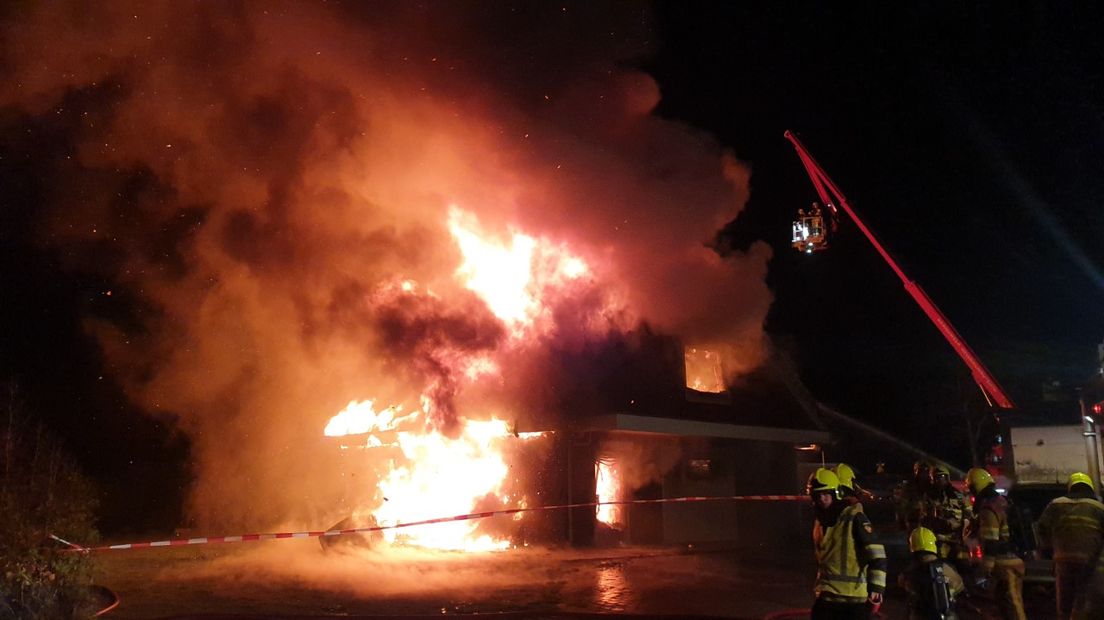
<point>42,492</point>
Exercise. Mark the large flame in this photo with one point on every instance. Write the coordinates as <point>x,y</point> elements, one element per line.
<point>446,477</point>
<point>498,273</point>
<point>434,475</point>
<point>513,278</point>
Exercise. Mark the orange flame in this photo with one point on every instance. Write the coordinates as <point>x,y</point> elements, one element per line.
<point>703,371</point>
<point>360,417</point>
<point>512,278</point>
<point>444,477</point>
<point>609,488</point>
<point>433,475</point>
<point>436,476</point>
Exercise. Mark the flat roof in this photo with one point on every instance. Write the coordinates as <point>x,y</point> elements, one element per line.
<point>697,428</point>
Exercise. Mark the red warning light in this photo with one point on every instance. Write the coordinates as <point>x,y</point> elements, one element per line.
<point>1098,408</point>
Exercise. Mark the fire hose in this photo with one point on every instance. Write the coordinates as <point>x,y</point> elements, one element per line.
<point>207,540</point>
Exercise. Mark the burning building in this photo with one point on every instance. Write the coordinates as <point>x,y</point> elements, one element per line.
<point>743,440</point>
<point>470,232</point>
<point>648,440</point>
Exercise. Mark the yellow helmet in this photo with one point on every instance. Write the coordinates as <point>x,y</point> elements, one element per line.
<point>821,481</point>
<point>846,475</point>
<point>1080,478</point>
<point>940,470</point>
<point>978,479</point>
<point>922,539</point>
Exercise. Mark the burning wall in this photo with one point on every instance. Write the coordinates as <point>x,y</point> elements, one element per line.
<point>285,201</point>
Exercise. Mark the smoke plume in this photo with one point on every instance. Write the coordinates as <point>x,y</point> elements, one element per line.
<point>268,189</point>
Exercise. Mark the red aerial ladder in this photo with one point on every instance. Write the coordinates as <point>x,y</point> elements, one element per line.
<point>811,234</point>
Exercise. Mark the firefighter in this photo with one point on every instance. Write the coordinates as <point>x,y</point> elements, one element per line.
<point>851,567</point>
<point>944,512</point>
<point>1073,528</point>
<point>849,489</point>
<point>909,497</point>
<point>1001,564</point>
<point>932,584</point>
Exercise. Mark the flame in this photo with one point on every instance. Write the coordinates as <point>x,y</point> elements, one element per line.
<point>433,475</point>
<point>609,488</point>
<point>444,477</point>
<point>513,278</point>
<point>499,274</point>
<point>360,417</point>
<point>437,476</point>
<point>703,371</point>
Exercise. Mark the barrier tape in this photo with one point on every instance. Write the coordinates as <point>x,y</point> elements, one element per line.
<point>67,543</point>
<point>209,540</point>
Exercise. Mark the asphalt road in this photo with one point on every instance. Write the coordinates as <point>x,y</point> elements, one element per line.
<point>296,578</point>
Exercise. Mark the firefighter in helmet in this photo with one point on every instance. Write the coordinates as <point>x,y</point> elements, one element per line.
<point>851,567</point>
<point>999,560</point>
<point>849,489</point>
<point>944,512</point>
<point>931,583</point>
<point>1072,527</point>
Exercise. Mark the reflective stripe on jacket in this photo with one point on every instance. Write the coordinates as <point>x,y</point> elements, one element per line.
<point>849,563</point>
<point>996,541</point>
<point>944,514</point>
<point>1073,528</point>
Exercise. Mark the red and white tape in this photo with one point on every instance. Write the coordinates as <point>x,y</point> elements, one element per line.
<point>208,540</point>
<point>67,543</point>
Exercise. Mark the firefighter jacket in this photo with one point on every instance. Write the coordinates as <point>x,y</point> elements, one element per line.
<point>1073,526</point>
<point>944,512</point>
<point>992,531</point>
<point>850,564</point>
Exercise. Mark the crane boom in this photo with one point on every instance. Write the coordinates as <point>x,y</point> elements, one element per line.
<point>828,190</point>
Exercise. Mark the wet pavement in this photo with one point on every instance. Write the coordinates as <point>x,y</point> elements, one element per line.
<point>295,578</point>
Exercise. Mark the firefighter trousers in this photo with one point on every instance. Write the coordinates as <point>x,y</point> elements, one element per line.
<point>1071,579</point>
<point>1009,590</point>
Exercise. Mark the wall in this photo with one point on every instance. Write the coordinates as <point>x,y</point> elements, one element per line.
<point>738,467</point>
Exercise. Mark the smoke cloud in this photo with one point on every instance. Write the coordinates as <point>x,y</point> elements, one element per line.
<point>260,184</point>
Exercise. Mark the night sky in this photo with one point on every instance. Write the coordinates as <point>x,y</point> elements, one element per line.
<point>969,137</point>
